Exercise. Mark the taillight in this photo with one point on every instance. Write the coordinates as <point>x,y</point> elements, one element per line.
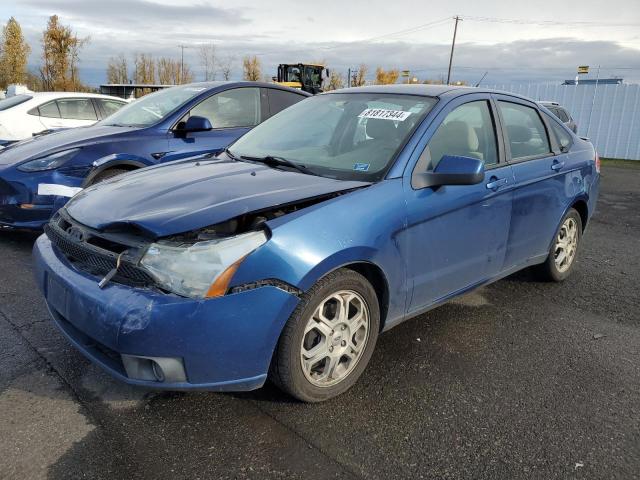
<point>597,162</point>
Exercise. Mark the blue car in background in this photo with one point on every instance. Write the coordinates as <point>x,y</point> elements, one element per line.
<point>39,175</point>
<point>287,254</point>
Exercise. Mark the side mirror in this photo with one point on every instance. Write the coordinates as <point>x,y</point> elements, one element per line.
<point>451,170</point>
<point>196,124</point>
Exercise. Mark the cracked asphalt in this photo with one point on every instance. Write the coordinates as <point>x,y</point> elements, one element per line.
<point>517,380</point>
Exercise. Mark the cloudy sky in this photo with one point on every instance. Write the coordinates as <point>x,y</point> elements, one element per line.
<point>514,40</point>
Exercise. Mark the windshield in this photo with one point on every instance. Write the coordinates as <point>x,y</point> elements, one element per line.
<point>13,101</point>
<point>348,136</point>
<point>152,108</point>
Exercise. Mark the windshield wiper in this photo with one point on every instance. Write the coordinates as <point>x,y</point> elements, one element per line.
<point>278,161</point>
<point>230,155</point>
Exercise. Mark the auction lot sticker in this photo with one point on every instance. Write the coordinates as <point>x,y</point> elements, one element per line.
<point>384,114</point>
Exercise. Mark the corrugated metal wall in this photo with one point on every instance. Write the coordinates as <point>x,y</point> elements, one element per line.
<point>612,121</point>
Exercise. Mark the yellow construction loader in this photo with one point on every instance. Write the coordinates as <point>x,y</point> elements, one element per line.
<point>305,76</point>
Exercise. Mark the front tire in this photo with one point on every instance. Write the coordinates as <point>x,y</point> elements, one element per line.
<point>329,339</point>
<point>562,256</point>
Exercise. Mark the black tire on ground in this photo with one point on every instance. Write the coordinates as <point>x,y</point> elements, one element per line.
<point>107,174</point>
<point>548,271</point>
<point>286,367</point>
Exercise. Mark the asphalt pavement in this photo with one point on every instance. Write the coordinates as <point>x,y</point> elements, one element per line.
<point>520,379</point>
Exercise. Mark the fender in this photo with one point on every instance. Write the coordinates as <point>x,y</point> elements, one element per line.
<point>581,197</point>
<point>114,160</point>
<point>338,260</point>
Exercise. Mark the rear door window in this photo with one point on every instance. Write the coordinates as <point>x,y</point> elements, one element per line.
<point>526,134</point>
<point>77,109</point>
<point>239,107</point>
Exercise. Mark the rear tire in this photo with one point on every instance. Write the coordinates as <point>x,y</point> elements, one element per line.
<point>563,253</point>
<point>329,338</point>
<point>107,174</point>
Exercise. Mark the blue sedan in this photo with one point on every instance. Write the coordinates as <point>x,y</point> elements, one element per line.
<point>39,175</point>
<point>286,255</point>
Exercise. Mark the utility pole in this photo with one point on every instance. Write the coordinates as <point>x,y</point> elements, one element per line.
<point>453,46</point>
<point>349,78</point>
<point>182,47</point>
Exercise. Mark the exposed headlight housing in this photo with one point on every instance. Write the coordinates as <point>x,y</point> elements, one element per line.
<point>50,162</point>
<point>201,270</point>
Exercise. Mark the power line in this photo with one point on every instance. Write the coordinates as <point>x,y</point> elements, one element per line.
<point>549,23</point>
<point>397,33</point>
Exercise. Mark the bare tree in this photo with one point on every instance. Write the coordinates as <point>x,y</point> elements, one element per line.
<point>168,71</point>
<point>186,75</point>
<point>207,54</point>
<point>226,67</point>
<point>251,68</point>
<point>336,81</point>
<point>118,70</point>
<point>144,72</point>
<point>358,78</point>
<point>144,69</point>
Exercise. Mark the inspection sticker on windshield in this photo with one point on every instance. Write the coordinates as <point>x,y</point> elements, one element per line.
<point>385,114</point>
<point>361,167</point>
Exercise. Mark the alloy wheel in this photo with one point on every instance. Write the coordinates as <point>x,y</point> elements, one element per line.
<point>566,245</point>
<point>335,338</point>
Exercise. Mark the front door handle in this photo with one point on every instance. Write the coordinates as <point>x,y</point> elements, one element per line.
<point>556,165</point>
<point>496,183</point>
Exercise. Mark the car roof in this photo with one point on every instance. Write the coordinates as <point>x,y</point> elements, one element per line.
<point>415,89</point>
<point>54,95</point>
<point>244,83</point>
<point>424,90</point>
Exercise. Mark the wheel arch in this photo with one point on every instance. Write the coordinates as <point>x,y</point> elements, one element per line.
<point>376,277</point>
<point>113,161</point>
<point>581,206</point>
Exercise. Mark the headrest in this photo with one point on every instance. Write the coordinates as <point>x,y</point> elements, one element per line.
<point>461,135</point>
<point>381,129</point>
<point>518,133</point>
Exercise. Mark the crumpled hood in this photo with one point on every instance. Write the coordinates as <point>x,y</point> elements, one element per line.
<point>185,196</point>
<point>43,145</point>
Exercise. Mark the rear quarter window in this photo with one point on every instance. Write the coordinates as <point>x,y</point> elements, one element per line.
<point>77,109</point>
<point>562,136</point>
<point>110,106</point>
<point>49,110</point>
<point>563,115</point>
<point>281,99</point>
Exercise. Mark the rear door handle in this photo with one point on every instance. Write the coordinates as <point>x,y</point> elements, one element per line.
<point>496,183</point>
<point>556,166</point>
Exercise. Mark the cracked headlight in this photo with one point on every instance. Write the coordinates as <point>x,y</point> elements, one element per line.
<point>50,162</point>
<point>201,270</point>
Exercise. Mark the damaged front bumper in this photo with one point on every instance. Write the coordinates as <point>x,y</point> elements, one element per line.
<point>27,201</point>
<point>145,337</point>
